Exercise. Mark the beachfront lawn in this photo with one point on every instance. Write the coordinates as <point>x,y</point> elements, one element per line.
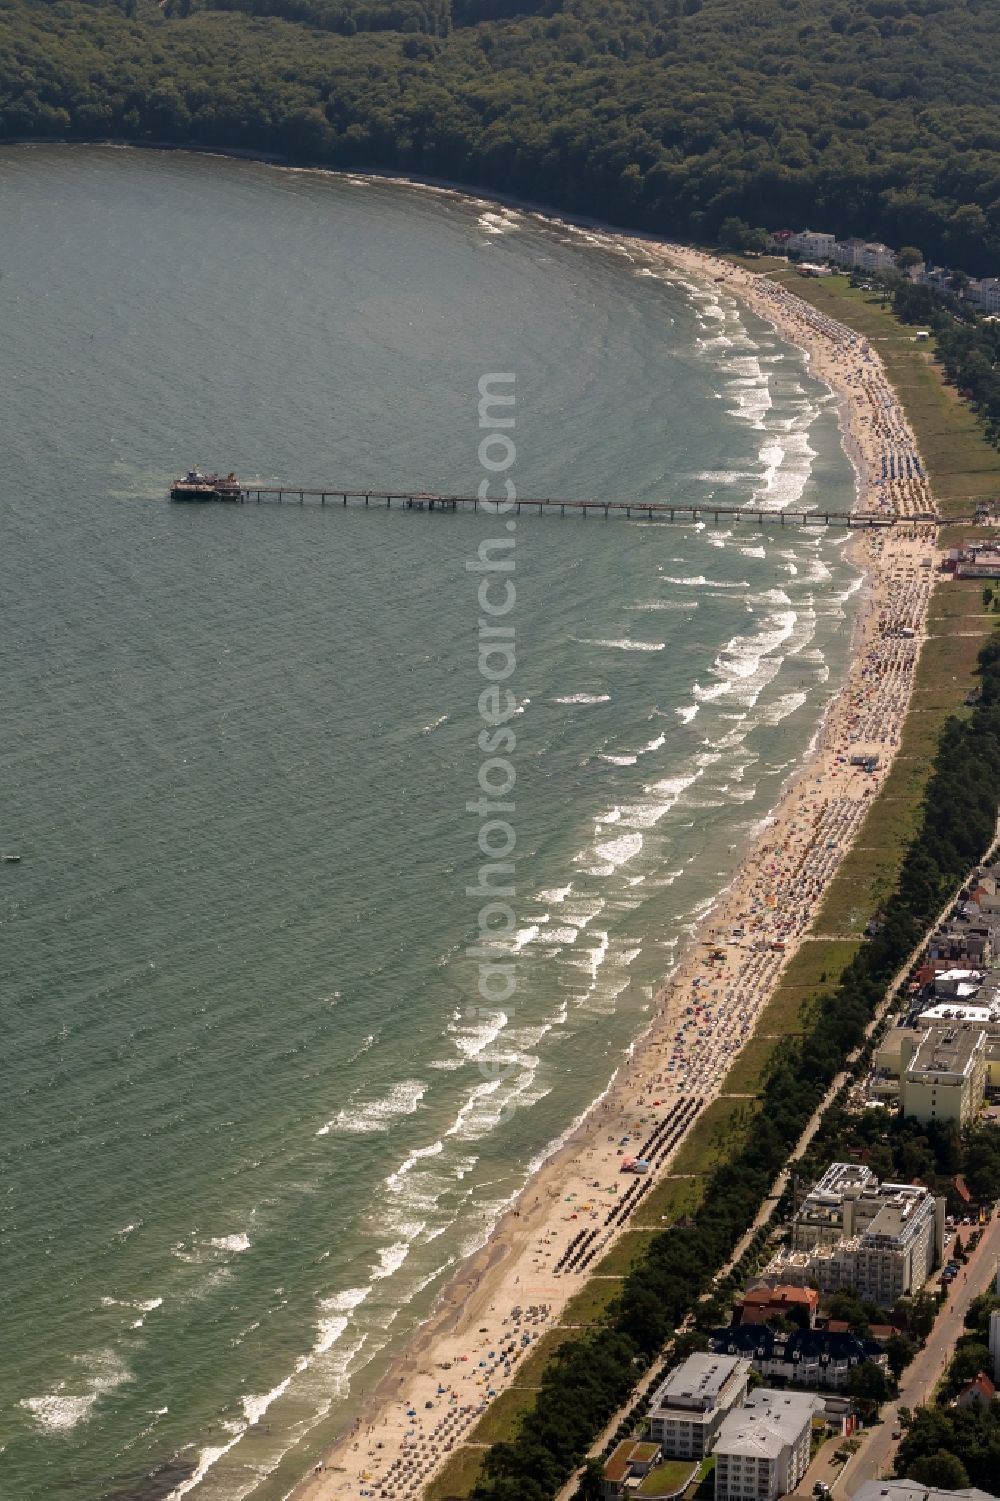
<point>590,1305</point>
<point>672,1198</point>
<point>706,1145</point>
<point>458,1476</point>
<point>626,1251</point>
<point>667,1478</point>
<point>718,1130</point>
<point>529,1373</point>
<point>502,1418</point>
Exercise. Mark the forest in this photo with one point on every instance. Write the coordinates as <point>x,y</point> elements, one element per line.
<point>871,117</point>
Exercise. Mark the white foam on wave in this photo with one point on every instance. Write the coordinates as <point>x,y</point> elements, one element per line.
<point>615,852</point>
<point>237,1243</point>
<point>391,1258</point>
<point>647,605</point>
<point>699,581</point>
<point>780,709</point>
<point>489,1103</point>
<point>72,1401</point>
<point>560,935</point>
<point>741,656</point>
<point>754,552</point>
<point>376,1116</point>
<point>661,795</point>
<point>584,698</point>
<point>714,691</point>
<point>787,466</point>
<point>474,1032</point>
<point>618,760</point>
<point>557,894</point>
<point>770,597</point>
<point>687,712</point>
<point>625,643</point>
<point>254,1407</point>
<point>394,1182</point>
<point>433,726</point>
<point>503,222</point>
<point>654,745</point>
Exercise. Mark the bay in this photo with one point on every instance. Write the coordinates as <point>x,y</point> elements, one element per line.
<point>254,1109</point>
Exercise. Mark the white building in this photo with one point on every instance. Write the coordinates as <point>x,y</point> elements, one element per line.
<point>812,243</point>
<point>877,257</point>
<point>985,294</point>
<point>689,1406</point>
<point>848,253</point>
<point>830,1210</point>
<point>762,1451</point>
<point>851,1231</point>
<point>945,1079</point>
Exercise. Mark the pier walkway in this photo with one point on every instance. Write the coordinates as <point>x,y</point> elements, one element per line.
<point>649,510</point>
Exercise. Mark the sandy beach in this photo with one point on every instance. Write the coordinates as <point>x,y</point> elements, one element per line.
<point>570,1212</point>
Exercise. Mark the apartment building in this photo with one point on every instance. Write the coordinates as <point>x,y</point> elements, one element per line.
<point>851,1231</point>
<point>688,1408</point>
<point>762,1451</point>
<point>945,1078</point>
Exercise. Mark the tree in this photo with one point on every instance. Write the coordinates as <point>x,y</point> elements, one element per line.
<point>868,1384</point>
<point>734,233</point>
<point>942,1469</point>
<point>908,257</point>
<point>591,1486</point>
<point>900,1350</point>
<point>968,1361</point>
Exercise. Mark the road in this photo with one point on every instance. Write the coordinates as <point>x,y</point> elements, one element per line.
<point>876,1456</point>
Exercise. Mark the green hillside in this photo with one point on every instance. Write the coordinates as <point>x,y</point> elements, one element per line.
<point>874,117</point>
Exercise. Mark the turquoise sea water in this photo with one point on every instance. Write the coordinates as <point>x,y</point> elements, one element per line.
<point>253,1108</point>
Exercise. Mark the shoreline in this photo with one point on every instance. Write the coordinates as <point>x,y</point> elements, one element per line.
<point>482,1286</point>
<point>508,1290</point>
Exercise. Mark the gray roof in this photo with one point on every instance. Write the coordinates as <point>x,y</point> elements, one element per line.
<point>698,1381</point>
<point>768,1422</point>
<point>912,1490</point>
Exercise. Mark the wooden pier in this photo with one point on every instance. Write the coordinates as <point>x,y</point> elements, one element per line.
<point>645,510</point>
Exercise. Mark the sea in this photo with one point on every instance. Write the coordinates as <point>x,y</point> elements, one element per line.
<point>255,1108</point>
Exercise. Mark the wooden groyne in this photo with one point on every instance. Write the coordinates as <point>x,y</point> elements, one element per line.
<point>649,510</point>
